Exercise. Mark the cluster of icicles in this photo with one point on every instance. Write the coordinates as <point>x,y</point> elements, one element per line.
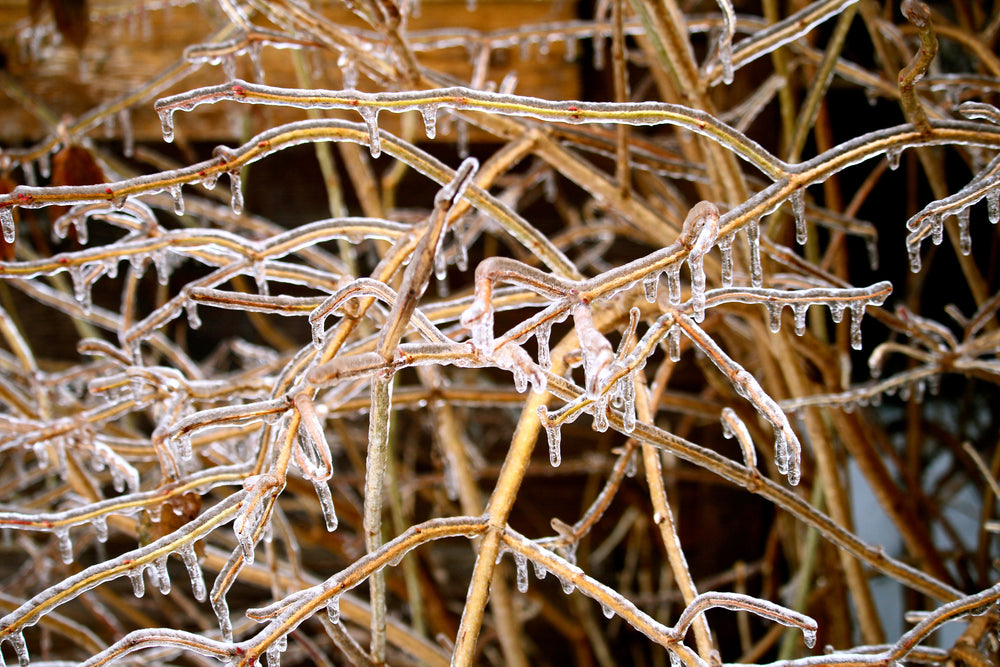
<point>608,373</point>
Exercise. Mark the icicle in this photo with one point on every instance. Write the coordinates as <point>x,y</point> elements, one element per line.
<point>567,585</point>
<point>190,559</point>
<point>543,333</point>
<point>333,609</point>
<point>857,312</point>
<point>429,113</point>
<point>599,55</point>
<point>210,180</point>
<point>229,67</point>
<point>993,205</point>
<point>162,263</point>
<point>478,319</point>
<point>138,583</point>
<point>809,637</point>
<point>81,288</point>
<point>631,466</point>
<point>674,284</point>
<point>236,191</point>
<point>16,640</point>
<point>937,228</point>
<point>100,524</point>
<point>260,277</point>
<point>572,48</point>
<point>128,136</point>
<point>441,270</point>
<point>521,565</point>
<point>627,389</point>
<point>221,609</point>
<point>273,655</point>
<point>191,308</point>
<point>175,193</point>
<point>697,266</point>
<point>872,247</point>
<point>30,177</point>
<point>539,569</point>
<point>258,66</point>
<point>45,164</point>
<point>913,250</point>
<point>462,140</point>
<point>799,310</point>
<point>965,243</point>
<point>674,343</point>
<point>167,124</point>
<point>65,546</point>
<point>600,412</point>
<point>326,505</point>
<point>893,155</point>
<point>608,612</point>
<point>348,71</point>
<point>7,223</point>
<point>80,225</point>
<point>799,210</point>
<point>726,249</point>
<point>370,117</point>
<point>753,239</point>
<point>554,436</point>
<point>774,309</point>
<point>649,286</point>
<point>162,576</point>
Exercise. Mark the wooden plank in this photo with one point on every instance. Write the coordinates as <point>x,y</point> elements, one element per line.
<point>128,46</point>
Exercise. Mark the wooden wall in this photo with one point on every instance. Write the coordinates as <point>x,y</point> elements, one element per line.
<point>129,43</point>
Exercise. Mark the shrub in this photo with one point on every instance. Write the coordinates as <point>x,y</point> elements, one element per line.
<point>306,406</point>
